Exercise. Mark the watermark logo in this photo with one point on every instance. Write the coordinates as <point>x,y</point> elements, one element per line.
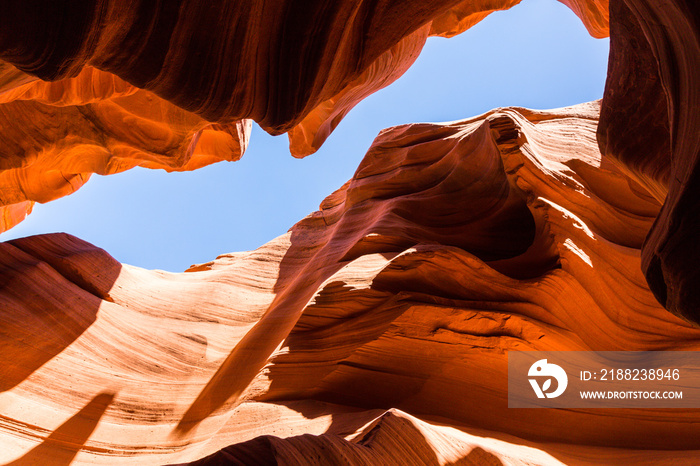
<point>604,379</point>
<point>541,369</point>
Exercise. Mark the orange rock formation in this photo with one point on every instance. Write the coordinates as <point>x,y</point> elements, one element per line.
<point>651,126</point>
<point>377,329</point>
<point>110,107</point>
<point>451,245</point>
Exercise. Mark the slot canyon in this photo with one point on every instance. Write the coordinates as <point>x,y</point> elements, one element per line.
<point>376,330</point>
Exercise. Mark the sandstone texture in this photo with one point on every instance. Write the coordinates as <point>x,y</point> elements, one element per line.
<point>376,330</point>
<point>650,124</point>
<point>141,83</point>
<point>451,245</point>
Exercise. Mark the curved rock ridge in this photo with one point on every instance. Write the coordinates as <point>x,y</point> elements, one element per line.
<point>394,437</point>
<point>231,69</point>
<point>651,126</point>
<point>138,83</point>
<point>55,135</point>
<point>452,244</point>
<point>593,14</point>
<point>303,79</point>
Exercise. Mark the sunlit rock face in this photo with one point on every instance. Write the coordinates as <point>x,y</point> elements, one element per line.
<point>377,328</point>
<point>451,245</point>
<point>56,134</point>
<point>103,86</point>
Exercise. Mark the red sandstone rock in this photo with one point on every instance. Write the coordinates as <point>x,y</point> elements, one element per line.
<point>451,245</point>
<point>56,134</point>
<point>650,124</point>
<point>117,68</point>
<point>373,301</point>
<point>272,61</point>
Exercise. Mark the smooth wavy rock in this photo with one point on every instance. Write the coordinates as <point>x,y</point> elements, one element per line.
<point>142,83</point>
<point>56,134</point>
<point>650,124</point>
<point>394,437</point>
<point>452,244</point>
<point>231,69</point>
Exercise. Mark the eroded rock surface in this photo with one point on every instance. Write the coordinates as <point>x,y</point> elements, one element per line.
<point>651,125</point>
<point>378,326</point>
<point>138,83</point>
<point>451,245</point>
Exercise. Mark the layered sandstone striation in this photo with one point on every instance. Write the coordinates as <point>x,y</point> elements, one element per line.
<point>55,135</point>
<point>130,86</point>
<point>651,126</point>
<point>377,328</point>
<point>138,83</point>
<point>452,244</point>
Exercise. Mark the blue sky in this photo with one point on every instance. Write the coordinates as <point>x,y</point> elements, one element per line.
<point>536,55</point>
